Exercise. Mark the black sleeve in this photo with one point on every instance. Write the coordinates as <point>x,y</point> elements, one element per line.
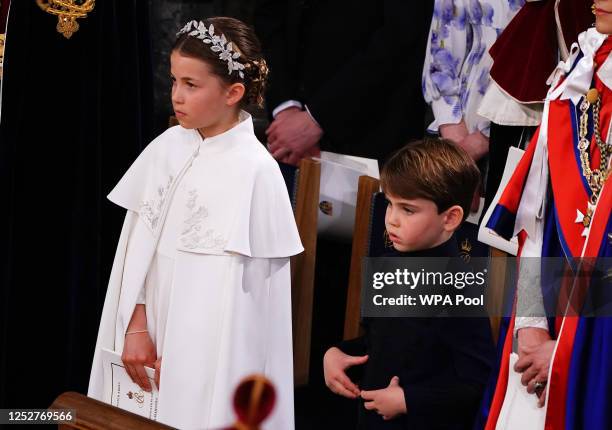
<point>271,21</point>
<point>355,347</point>
<point>452,397</point>
<point>393,56</point>
<point>471,349</point>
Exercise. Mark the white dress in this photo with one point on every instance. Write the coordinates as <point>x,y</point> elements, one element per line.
<point>209,232</point>
<point>159,281</point>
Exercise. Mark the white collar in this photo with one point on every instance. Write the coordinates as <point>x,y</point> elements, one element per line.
<point>578,82</point>
<point>245,125</point>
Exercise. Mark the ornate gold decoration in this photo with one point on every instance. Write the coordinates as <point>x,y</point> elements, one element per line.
<point>466,249</point>
<point>592,95</point>
<point>595,177</point>
<point>67,12</point>
<point>137,396</point>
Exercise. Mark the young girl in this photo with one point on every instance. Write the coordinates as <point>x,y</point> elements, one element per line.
<point>200,286</point>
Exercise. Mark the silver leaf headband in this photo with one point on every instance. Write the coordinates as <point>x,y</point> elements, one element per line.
<point>217,44</point>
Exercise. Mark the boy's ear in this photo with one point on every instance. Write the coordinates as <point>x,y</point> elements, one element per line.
<point>453,217</point>
<point>235,93</point>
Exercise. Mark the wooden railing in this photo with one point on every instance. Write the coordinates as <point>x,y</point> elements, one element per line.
<point>92,414</point>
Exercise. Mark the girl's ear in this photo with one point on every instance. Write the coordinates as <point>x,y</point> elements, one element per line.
<point>453,217</point>
<point>235,93</point>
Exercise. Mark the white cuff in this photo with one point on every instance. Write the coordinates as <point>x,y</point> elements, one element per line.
<point>286,105</point>
<point>444,114</point>
<point>532,322</point>
<point>498,107</point>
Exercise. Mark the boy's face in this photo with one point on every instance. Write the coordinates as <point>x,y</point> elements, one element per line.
<point>415,224</point>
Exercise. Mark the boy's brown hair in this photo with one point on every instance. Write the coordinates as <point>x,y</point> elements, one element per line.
<point>432,169</point>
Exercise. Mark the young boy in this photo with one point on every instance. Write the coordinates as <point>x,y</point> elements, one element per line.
<point>419,373</point>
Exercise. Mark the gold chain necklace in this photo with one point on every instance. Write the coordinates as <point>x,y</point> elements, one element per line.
<point>595,177</point>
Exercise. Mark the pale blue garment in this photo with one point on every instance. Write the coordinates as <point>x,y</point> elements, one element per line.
<point>457,62</point>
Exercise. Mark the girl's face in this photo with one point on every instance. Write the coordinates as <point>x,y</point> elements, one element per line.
<point>603,16</point>
<point>200,99</point>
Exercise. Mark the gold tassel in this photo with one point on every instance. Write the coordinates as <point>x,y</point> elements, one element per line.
<point>67,12</point>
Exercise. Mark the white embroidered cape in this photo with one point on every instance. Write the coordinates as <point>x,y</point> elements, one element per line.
<point>231,280</point>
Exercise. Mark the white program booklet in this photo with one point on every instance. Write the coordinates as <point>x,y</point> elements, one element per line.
<point>338,192</point>
<point>485,234</point>
<point>520,409</point>
<point>120,391</point>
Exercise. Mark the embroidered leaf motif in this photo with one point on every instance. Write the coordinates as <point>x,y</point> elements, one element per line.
<point>191,237</point>
<point>150,210</point>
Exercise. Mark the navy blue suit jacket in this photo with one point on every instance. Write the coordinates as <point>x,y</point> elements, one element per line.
<point>443,363</point>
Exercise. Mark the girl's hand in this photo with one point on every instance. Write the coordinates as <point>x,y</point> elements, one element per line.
<point>138,349</point>
<point>388,402</point>
<point>335,362</point>
<point>138,352</point>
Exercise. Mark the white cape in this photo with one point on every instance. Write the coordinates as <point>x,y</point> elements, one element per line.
<point>231,279</point>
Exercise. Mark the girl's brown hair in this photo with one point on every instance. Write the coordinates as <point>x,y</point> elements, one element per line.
<point>432,169</point>
<point>245,42</point>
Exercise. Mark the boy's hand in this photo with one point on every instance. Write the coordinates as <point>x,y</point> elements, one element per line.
<point>388,402</point>
<point>335,362</point>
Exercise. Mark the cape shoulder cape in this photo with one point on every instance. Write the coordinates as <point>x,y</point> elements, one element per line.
<point>248,208</point>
